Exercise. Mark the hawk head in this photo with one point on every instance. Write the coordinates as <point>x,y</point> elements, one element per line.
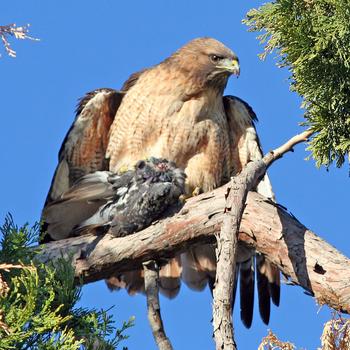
<point>207,61</point>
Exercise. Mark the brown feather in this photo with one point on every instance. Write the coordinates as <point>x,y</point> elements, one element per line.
<point>83,149</point>
<point>174,110</point>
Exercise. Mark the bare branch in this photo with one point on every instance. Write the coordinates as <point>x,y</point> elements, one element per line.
<point>336,334</point>
<point>266,227</point>
<point>227,241</point>
<point>20,33</point>
<point>151,275</point>
<point>270,157</point>
<point>226,254</point>
<point>272,342</point>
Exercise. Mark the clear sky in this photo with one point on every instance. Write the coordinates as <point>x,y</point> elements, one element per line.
<point>91,44</point>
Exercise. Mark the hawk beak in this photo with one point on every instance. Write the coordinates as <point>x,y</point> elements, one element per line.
<point>230,65</point>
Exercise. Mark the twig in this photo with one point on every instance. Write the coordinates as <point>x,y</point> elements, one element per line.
<point>227,240</point>
<point>151,275</point>
<point>20,33</point>
<point>271,342</point>
<point>270,157</point>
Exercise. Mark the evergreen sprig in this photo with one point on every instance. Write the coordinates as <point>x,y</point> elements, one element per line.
<point>37,302</point>
<point>313,41</point>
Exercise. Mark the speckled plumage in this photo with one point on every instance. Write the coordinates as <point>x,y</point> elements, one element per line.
<point>125,202</point>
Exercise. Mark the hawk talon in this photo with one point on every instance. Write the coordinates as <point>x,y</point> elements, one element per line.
<point>123,169</point>
<point>184,197</point>
<point>196,191</point>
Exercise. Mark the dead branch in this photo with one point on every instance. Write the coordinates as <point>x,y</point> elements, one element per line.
<point>268,228</point>
<point>272,342</point>
<point>227,241</point>
<point>270,157</point>
<point>224,280</point>
<point>20,33</point>
<point>336,333</point>
<point>226,254</point>
<point>151,275</point>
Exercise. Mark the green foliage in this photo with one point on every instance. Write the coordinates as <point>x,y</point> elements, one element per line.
<point>313,41</point>
<point>37,301</point>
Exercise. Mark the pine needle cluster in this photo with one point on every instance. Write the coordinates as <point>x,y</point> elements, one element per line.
<point>312,39</point>
<point>38,302</point>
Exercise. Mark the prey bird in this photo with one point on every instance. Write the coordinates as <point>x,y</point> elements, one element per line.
<point>124,202</point>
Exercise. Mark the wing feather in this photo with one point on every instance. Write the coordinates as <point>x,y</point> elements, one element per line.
<point>83,149</point>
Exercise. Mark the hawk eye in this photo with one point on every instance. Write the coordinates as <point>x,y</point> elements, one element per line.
<point>215,58</point>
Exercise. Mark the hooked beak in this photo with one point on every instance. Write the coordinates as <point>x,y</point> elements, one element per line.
<point>230,65</point>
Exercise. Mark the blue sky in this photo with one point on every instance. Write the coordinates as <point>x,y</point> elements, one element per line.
<point>90,44</point>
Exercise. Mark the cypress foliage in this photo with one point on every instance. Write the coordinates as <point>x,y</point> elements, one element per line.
<point>37,301</point>
<point>312,39</point>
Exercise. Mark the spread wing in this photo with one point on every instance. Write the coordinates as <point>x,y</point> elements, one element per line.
<point>83,149</point>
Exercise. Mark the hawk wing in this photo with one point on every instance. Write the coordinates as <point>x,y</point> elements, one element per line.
<point>83,149</point>
<point>244,141</point>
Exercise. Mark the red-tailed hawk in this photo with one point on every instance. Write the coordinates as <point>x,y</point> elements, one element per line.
<point>175,110</point>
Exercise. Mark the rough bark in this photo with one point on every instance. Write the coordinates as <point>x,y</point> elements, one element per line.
<point>270,229</point>
<point>224,282</point>
<point>226,254</point>
<point>151,275</point>
<point>227,241</point>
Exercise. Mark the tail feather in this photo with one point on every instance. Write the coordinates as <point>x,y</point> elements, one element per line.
<point>273,276</point>
<point>132,281</point>
<point>247,291</point>
<point>194,278</point>
<point>169,278</point>
<point>274,283</point>
<point>199,265</point>
<point>263,289</point>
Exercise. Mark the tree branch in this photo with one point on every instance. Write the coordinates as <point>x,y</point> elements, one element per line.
<point>20,33</point>
<point>151,275</point>
<point>227,241</point>
<point>270,157</point>
<point>268,228</point>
